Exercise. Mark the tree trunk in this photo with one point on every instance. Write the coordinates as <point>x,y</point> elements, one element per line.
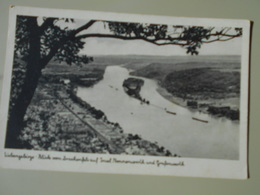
<point>16,117</point>
<point>33,72</point>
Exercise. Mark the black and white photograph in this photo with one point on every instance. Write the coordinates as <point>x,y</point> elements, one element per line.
<point>126,86</point>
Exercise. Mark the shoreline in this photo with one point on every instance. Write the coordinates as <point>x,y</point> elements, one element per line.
<point>129,143</point>
<point>228,108</point>
<point>176,100</point>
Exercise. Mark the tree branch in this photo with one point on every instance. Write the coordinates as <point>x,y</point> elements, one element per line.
<point>153,41</point>
<point>172,41</point>
<point>225,35</point>
<point>57,46</point>
<point>84,27</point>
<point>215,40</point>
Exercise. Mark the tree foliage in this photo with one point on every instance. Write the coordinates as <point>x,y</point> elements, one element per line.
<point>189,37</point>
<point>51,37</point>
<point>64,44</point>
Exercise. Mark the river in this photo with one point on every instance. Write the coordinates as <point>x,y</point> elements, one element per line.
<point>180,134</point>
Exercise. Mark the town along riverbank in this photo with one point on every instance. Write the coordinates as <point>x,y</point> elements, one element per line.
<point>58,120</point>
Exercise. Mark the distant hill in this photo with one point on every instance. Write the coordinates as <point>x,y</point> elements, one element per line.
<point>160,70</point>
<point>203,83</point>
<point>131,61</point>
<point>200,77</point>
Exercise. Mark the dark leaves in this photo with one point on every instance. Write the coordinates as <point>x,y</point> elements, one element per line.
<point>69,53</point>
<point>138,30</point>
<point>190,37</point>
<point>50,37</point>
<point>239,31</point>
<point>193,36</point>
<point>22,36</point>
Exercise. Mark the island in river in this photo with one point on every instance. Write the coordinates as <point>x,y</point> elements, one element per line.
<point>69,121</point>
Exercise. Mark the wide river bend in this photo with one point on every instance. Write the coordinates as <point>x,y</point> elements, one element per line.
<point>218,139</point>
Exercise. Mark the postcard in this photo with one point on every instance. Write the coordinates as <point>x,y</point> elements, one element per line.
<point>122,93</point>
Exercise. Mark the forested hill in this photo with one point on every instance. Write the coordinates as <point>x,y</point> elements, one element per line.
<point>132,61</point>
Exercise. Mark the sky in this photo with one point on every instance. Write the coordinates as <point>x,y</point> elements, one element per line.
<point>108,46</point>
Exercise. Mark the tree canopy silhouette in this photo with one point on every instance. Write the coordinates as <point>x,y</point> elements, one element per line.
<point>36,43</point>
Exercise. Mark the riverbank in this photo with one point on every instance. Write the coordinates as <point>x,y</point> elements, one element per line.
<point>228,108</point>
<point>212,91</point>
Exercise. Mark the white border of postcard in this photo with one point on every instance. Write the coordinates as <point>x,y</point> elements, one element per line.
<point>123,164</point>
